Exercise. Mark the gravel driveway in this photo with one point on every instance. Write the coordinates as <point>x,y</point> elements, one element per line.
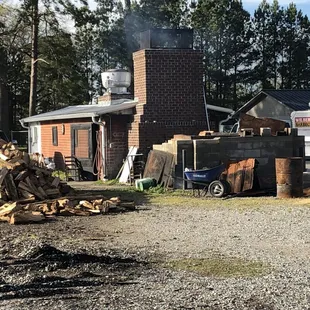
<point>122,261</point>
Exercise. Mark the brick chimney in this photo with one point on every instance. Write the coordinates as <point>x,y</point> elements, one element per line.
<point>168,82</point>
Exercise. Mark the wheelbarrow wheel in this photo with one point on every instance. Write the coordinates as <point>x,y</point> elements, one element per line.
<point>217,188</point>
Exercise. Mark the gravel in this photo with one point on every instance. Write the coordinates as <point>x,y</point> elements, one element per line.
<point>276,236</point>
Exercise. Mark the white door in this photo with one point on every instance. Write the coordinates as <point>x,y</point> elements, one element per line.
<point>35,139</point>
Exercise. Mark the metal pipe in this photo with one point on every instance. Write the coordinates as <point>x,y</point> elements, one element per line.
<point>29,134</point>
<point>183,168</point>
<point>23,124</point>
<point>206,108</point>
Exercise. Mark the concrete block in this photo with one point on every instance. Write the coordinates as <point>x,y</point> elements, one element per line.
<point>247,132</point>
<point>265,131</point>
<point>235,153</point>
<point>257,145</point>
<point>251,153</point>
<point>245,146</point>
<point>205,151</point>
<point>268,152</point>
<point>263,161</point>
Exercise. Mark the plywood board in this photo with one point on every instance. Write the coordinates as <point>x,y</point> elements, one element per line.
<point>128,164</point>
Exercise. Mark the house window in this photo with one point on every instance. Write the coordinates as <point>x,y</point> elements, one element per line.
<point>35,134</point>
<point>55,135</point>
<point>76,138</point>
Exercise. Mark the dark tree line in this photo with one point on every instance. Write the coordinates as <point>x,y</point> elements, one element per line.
<point>242,53</point>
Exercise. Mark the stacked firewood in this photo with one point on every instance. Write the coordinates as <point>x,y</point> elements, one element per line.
<point>21,178</point>
<point>30,193</point>
<point>18,213</point>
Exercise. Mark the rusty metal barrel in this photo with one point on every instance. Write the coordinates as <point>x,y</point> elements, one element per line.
<point>289,176</point>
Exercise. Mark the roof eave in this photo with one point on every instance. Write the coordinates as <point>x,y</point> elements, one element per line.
<point>125,108</point>
<point>250,104</point>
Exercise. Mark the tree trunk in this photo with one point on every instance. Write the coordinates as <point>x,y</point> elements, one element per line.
<point>34,57</point>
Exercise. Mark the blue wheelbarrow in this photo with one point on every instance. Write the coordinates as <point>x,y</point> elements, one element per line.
<point>208,180</point>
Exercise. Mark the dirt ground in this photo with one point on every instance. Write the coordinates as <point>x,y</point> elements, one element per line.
<point>241,253</point>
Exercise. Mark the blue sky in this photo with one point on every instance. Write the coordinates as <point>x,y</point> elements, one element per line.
<point>249,5</point>
<point>304,5</point>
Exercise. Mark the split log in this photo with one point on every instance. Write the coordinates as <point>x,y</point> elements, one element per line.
<point>97,202</point>
<point>63,203</point>
<point>42,180</point>
<point>6,164</point>
<point>26,158</point>
<point>25,217</point>
<point>129,205</point>
<point>4,219</point>
<point>24,193</point>
<point>10,187</point>
<point>71,212</point>
<point>93,211</point>
<point>3,172</point>
<point>22,175</point>
<point>6,152</point>
<point>87,204</point>
<point>53,209</point>
<point>33,189</point>
<point>56,182</point>
<point>52,192</point>
<point>45,171</point>
<point>3,157</point>
<point>27,200</point>
<point>42,192</point>
<point>105,207</point>
<point>3,195</point>
<point>9,208</point>
<point>15,155</point>
<point>115,200</point>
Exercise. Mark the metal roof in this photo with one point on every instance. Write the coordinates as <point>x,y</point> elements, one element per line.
<point>82,111</point>
<point>297,100</point>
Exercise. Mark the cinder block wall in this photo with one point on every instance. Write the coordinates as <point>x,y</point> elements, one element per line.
<point>204,153</point>
<point>169,87</point>
<point>264,149</point>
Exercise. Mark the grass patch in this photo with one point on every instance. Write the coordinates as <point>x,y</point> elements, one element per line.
<point>219,267</point>
<point>179,198</point>
<point>108,182</point>
<point>60,174</point>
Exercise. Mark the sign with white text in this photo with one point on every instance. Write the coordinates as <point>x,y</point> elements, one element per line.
<point>302,121</point>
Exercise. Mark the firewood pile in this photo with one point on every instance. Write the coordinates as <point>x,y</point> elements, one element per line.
<point>30,193</point>
<point>18,213</point>
<point>23,179</point>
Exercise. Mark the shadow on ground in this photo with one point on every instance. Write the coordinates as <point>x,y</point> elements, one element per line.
<point>125,192</point>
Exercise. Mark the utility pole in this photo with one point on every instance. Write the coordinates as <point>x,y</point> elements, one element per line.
<point>34,57</point>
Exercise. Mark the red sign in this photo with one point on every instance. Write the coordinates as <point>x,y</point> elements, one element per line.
<point>302,121</point>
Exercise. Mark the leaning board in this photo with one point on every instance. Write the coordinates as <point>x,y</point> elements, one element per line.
<point>128,164</point>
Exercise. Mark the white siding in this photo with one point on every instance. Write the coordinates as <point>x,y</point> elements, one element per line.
<point>272,108</point>
<point>35,138</point>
